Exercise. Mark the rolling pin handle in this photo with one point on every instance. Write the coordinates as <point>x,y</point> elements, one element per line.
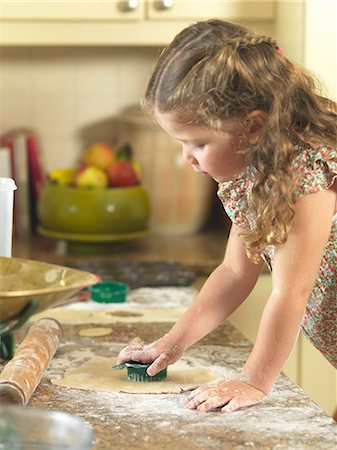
<point>6,346</point>
<point>6,329</point>
<point>11,394</point>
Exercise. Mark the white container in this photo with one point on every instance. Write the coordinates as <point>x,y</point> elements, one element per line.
<point>7,188</point>
<point>180,198</point>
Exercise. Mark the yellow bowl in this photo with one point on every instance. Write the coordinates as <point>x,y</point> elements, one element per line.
<point>101,214</point>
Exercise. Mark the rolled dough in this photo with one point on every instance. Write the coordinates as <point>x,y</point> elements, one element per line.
<point>101,317</point>
<point>97,375</point>
<point>95,332</point>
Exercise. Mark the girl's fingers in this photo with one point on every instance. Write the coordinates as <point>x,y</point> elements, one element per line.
<point>134,353</point>
<point>196,392</point>
<point>212,403</point>
<point>237,403</point>
<point>168,356</point>
<point>229,396</point>
<point>200,397</point>
<point>158,365</point>
<point>125,354</point>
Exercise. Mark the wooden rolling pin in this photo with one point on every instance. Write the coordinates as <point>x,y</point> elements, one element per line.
<point>21,376</point>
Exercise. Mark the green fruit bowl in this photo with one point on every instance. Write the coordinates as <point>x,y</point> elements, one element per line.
<point>93,214</point>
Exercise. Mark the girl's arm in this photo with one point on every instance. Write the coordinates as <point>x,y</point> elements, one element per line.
<point>295,269</point>
<point>223,292</point>
<point>225,289</point>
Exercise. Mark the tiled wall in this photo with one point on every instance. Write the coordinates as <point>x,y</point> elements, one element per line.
<point>62,92</point>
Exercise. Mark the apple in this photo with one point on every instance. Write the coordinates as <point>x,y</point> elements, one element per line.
<point>122,173</point>
<point>91,176</point>
<point>99,155</point>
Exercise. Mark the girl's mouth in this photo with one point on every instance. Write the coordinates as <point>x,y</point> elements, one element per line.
<point>201,172</point>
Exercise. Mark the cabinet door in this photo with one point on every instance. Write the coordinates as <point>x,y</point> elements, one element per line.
<point>229,10</point>
<point>64,10</point>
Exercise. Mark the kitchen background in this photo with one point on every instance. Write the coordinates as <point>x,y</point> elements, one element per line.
<point>59,89</point>
<point>69,69</point>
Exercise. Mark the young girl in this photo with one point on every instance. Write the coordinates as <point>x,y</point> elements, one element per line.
<point>252,120</point>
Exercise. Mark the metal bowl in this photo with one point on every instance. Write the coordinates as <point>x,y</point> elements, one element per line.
<point>23,428</point>
<point>25,280</point>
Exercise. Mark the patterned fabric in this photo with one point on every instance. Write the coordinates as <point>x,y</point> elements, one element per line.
<point>317,170</point>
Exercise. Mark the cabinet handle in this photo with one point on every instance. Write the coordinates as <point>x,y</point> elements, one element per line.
<point>129,5</point>
<point>163,4</point>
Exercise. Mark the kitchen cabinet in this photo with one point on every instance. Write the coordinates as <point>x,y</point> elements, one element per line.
<point>46,10</point>
<point>306,366</point>
<point>190,9</point>
<point>127,22</point>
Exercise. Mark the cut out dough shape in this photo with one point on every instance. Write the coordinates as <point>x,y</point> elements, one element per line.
<point>95,332</point>
<point>97,375</point>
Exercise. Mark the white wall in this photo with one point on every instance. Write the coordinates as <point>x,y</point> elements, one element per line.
<point>60,92</point>
<point>320,52</point>
<point>289,28</point>
<point>307,31</point>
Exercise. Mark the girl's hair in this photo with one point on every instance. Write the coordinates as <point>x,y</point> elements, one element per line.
<point>215,70</point>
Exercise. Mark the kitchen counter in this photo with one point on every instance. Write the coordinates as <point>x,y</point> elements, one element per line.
<point>199,252</point>
<point>285,419</point>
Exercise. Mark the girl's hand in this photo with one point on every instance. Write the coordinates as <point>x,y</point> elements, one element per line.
<point>160,353</point>
<point>227,395</point>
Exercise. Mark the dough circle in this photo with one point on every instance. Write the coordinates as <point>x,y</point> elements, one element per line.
<point>95,332</point>
<point>97,375</point>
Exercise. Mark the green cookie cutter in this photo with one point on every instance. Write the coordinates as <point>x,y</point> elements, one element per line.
<point>109,292</point>
<point>137,371</point>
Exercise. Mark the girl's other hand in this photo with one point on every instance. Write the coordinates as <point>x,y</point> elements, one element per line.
<point>159,353</point>
<point>225,395</point>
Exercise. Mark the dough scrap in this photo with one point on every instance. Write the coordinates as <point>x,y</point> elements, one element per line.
<point>95,332</point>
<point>97,375</point>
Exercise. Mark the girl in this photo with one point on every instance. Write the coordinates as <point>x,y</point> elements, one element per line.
<point>252,120</point>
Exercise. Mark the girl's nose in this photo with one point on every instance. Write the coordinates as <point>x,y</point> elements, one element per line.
<point>188,156</point>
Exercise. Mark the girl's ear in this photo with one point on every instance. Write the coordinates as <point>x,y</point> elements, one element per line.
<point>255,125</point>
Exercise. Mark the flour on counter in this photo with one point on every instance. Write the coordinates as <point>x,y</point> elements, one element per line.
<point>142,305</point>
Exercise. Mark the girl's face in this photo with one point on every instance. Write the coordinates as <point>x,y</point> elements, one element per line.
<point>210,153</point>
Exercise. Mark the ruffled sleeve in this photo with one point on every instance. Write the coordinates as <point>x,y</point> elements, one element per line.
<point>235,197</point>
<point>316,169</point>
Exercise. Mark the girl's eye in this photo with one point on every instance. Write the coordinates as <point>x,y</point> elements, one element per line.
<point>198,147</point>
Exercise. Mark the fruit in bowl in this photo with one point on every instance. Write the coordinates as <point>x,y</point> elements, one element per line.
<point>91,203</point>
<point>122,173</point>
<point>99,155</point>
<point>91,176</point>
<point>100,166</point>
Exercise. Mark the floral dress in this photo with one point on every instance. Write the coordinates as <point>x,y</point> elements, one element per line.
<point>317,170</point>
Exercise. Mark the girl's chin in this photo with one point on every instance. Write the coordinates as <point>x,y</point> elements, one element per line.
<point>221,179</point>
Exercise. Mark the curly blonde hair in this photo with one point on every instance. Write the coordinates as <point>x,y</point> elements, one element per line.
<point>215,70</point>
